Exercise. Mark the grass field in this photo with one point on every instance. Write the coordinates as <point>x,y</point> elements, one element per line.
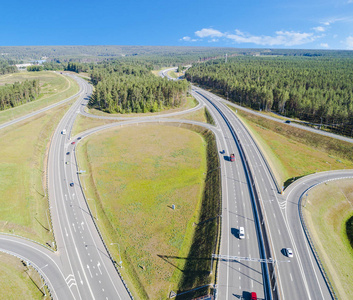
<point>137,184</point>
<point>54,87</point>
<point>294,152</point>
<point>83,123</point>
<point>22,154</point>
<point>327,208</point>
<point>18,281</point>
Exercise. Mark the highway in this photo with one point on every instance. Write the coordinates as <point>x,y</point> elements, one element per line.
<point>81,268</point>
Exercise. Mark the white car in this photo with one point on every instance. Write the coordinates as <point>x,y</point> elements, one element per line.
<point>289,252</point>
<point>241,233</point>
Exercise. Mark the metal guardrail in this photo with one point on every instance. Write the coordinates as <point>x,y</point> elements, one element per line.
<point>99,233</point>
<point>253,192</point>
<point>29,263</point>
<point>311,244</point>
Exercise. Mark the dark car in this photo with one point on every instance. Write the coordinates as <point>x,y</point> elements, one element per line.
<point>287,121</point>
<point>73,143</point>
<point>79,138</point>
<point>67,153</point>
<point>71,184</point>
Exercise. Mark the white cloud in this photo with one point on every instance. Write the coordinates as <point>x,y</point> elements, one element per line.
<point>188,39</point>
<point>349,42</point>
<point>324,45</point>
<point>283,38</point>
<point>319,29</point>
<point>213,40</point>
<point>208,32</point>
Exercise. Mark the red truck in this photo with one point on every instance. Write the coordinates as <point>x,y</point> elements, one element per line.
<point>232,157</point>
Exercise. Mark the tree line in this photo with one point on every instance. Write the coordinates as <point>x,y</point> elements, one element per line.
<point>312,89</point>
<point>12,95</point>
<point>124,88</point>
<point>6,68</point>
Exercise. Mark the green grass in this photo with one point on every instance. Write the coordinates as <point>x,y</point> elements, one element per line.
<point>23,201</point>
<point>54,88</point>
<point>83,123</point>
<point>134,186</point>
<point>328,207</point>
<point>293,152</point>
<point>18,281</point>
<point>172,74</point>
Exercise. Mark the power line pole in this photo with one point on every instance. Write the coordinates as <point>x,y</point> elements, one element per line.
<point>226,57</point>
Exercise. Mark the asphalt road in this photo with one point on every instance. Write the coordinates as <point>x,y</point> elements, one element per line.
<point>82,267</point>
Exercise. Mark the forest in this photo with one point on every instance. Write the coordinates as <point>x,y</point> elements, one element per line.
<point>12,95</point>
<point>315,89</point>
<point>124,88</point>
<point>7,67</point>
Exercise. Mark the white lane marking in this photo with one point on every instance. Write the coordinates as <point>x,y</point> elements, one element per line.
<point>89,271</point>
<point>66,232</point>
<point>79,275</point>
<point>73,225</point>
<point>291,278</point>
<point>82,223</point>
<point>98,266</point>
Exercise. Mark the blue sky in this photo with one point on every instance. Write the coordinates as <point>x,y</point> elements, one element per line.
<point>310,24</point>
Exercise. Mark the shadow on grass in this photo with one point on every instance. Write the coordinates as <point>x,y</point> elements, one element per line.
<point>47,229</point>
<point>291,180</point>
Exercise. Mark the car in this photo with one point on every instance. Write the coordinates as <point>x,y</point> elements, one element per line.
<point>72,184</point>
<point>241,233</point>
<point>67,153</point>
<point>289,252</point>
<point>223,151</point>
<point>73,143</point>
<point>253,296</point>
<point>79,138</point>
<point>287,121</point>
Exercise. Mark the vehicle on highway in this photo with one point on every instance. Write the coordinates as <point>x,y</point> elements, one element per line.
<point>79,138</point>
<point>67,153</point>
<point>73,143</point>
<point>223,151</point>
<point>232,157</point>
<point>63,131</point>
<point>241,233</point>
<point>289,252</point>
<point>288,121</point>
<point>253,296</point>
<point>71,184</point>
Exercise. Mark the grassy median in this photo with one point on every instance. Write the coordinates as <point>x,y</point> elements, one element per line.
<point>54,87</point>
<point>326,211</point>
<point>135,175</point>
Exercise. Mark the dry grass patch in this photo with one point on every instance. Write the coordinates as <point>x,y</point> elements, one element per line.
<point>54,87</point>
<point>17,281</point>
<point>327,209</point>
<point>22,175</point>
<point>136,175</point>
<point>293,152</point>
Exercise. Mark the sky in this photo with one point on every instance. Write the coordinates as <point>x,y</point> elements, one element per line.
<point>295,24</point>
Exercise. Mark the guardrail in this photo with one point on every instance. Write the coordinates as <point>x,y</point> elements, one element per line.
<point>264,251</point>
<point>99,233</point>
<point>311,244</point>
<point>38,270</point>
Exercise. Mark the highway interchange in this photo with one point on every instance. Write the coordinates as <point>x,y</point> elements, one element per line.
<point>82,268</point>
